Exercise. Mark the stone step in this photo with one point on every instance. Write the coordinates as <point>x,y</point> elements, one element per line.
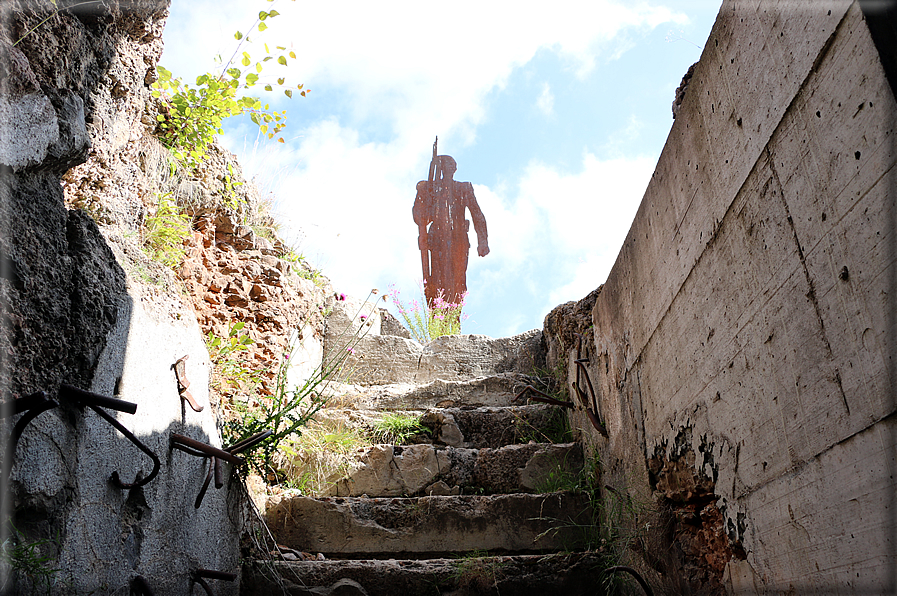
<point>435,526</point>
<point>474,427</point>
<point>492,390</point>
<point>518,575</point>
<point>390,471</point>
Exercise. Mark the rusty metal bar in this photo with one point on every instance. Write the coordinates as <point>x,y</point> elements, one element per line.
<point>250,442</point>
<point>86,398</point>
<point>641,581</point>
<point>596,422</point>
<point>130,436</point>
<point>212,574</point>
<point>180,441</point>
<point>203,584</point>
<point>199,576</point>
<point>219,476</point>
<point>581,363</point>
<point>205,485</point>
<point>180,373</point>
<point>542,397</point>
<point>32,405</point>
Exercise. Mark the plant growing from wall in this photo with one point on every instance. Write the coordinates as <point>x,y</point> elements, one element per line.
<point>25,562</point>
<point>193,115</point>
<point>396,428</point>
<point>165,232</point>
<point>286,410</point>
<point>426,323</point>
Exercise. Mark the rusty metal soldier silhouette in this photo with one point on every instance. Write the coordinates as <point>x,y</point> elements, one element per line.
<point>439,212</point>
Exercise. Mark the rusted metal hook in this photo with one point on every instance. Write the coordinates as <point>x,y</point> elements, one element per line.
<point>591,401</point>
<point>215,455</point>
<point>200,449</point>
<point>199,576</point>
<point>641,581</point>
<point>32,405</point>
<point>180,373</point>
<point>542,397</point>
<point>96,403</point>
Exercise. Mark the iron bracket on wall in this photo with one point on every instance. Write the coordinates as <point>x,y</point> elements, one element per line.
<point>96,403</point>
<point>591,401</point>
<point>199,576</point>
<point>36,403</point>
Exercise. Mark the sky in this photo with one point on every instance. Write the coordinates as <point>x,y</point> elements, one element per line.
<point>557,116</point>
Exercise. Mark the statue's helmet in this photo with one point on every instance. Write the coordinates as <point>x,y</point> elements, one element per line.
<point>447,163</point>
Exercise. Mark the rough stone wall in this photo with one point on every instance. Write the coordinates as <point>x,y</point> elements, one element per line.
<point>74,92</point>
<point>743,342</point>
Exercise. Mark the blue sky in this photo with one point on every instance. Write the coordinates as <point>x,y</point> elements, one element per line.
<point>557,116</point>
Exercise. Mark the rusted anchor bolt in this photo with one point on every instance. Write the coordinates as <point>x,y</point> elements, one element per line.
<point>180,372</point>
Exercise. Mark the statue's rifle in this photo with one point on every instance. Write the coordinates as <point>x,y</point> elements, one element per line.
<point>422,225</point>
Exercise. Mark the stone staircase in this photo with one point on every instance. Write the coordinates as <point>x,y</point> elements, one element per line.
<point>468,509</point>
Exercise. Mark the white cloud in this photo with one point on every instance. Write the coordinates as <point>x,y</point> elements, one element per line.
<point>403,71</point>
<point>545,101</point>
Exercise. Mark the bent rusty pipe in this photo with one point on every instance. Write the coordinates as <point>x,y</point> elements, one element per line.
<point>205,484</point>
<point>212,574</point>
<point>599,426</point>
<point>199,576</point>
<point>157,463</point>
<point>86,398</point>
<point>32,405</point>
<point>250,442</point>
<point>581,364</point>
<point>542,397</point>
<point>641,581</point>
<point>180,441</point>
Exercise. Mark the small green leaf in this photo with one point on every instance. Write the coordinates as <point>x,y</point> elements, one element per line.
<point>263,15</point>
<point>293,55</point>
<point>262,27</point>
<point>251,79</point>
<point>280,81</point>
<point>288,93</point>
<point>238,35</point>
<point>246,60</point>
<point>273,13</point>
<point>281,60</point>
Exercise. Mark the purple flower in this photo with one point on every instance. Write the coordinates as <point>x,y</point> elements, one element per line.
<point>350,349</point>
<point>342,296</point>
<point>363,317</point>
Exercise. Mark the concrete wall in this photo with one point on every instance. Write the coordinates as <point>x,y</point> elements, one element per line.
<point>72,314</point>
<point>745,336</point>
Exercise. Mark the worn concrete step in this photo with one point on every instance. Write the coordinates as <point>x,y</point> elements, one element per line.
<point>492,390</point>
<point>571,574</point>
<point>438,525</point>
<point>423,469</point>
<point>477,427</point>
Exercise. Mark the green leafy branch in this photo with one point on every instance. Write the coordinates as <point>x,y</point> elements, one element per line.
<point>192,115</point>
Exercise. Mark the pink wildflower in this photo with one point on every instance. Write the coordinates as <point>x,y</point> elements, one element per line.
<point>350,349</point>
